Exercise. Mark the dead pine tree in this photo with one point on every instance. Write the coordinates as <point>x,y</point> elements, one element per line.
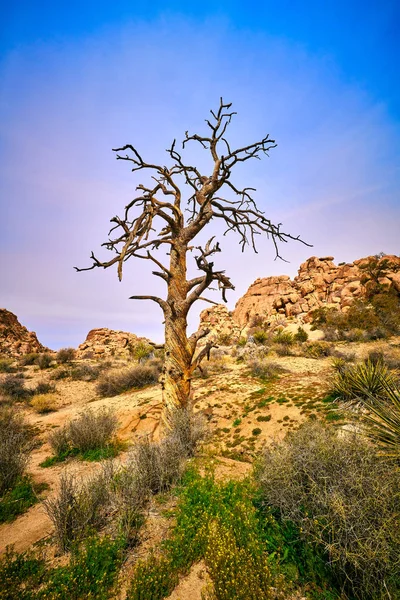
<point>161,219</point>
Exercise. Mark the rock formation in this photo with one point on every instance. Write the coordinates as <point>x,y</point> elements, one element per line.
<point>319,283</point>
<point>107,342</point>
<point>15,339</point>
<point>223,329</point>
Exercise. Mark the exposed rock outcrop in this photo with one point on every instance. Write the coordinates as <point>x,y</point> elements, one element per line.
<point>108,342</point>
<point>222,328</point>
<point>15,339</point>
<point>319,283</point>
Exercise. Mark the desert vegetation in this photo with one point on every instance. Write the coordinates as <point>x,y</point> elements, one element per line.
<point>315,516</point>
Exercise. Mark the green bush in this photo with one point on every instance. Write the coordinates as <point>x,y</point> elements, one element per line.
<point>91,573</point>
<point>301,335</point>
<point>284,337</point>
<point>260,336</point>
<point>141,351</point>
<point>344,498</point>
<point>19,498</point>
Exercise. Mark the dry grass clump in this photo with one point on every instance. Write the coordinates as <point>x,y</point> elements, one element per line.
<point>117,382</point>
<point>77,508</point>
<point>344,497</point>
<point>15,445</point>
<point>90,431</point>
<point>44,403</point>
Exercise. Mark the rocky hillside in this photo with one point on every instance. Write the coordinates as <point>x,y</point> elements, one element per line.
<point>15,339</point>
<point>319,283</point>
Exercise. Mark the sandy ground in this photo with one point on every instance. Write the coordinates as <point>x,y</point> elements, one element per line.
<point>243,415</point>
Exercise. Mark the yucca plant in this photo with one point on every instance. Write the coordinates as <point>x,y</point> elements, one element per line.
<point>366,380</point>
<point>383,421</point>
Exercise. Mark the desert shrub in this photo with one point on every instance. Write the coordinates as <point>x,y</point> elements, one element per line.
<point>29,359</point>
<point>19,498</point>
<point>141,351</point>
<point>44,403</point>
<point>15,445</point>
<point>242,341</point>
<point>92,430</point>
<point>283,349</point>
<point>260,336</point>
<point>43,387</point>
<point>265,369</point>
<point>13,387</point>
<point>20,575</point>
<point>77,508</point>
<point>257,321</point>
<point>112,384</point>
<point>65,355</point>
<point>236,571</point>
<point>85,372</point>
<point>44,360</point>
<point>301,335</point>
<point>91,573</point>
<point>317,349</point>
<point>361,381</point>
<point>345,499</point>
<point>156,466</point>
<point>60,373</point>
<point>283,337</point>
<point>59,440</point>
<point>7,365</point>
<point>187,428</point>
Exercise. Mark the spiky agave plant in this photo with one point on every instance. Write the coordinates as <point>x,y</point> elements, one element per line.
<point>366,380</point>
<point>383,420</point>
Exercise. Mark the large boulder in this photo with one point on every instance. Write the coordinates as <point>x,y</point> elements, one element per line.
<point>103,342</point>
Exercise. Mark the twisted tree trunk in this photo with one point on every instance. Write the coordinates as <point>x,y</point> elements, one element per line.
<point>177,373</point>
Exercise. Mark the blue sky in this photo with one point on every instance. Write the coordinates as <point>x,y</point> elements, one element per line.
<point>321,78</point>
